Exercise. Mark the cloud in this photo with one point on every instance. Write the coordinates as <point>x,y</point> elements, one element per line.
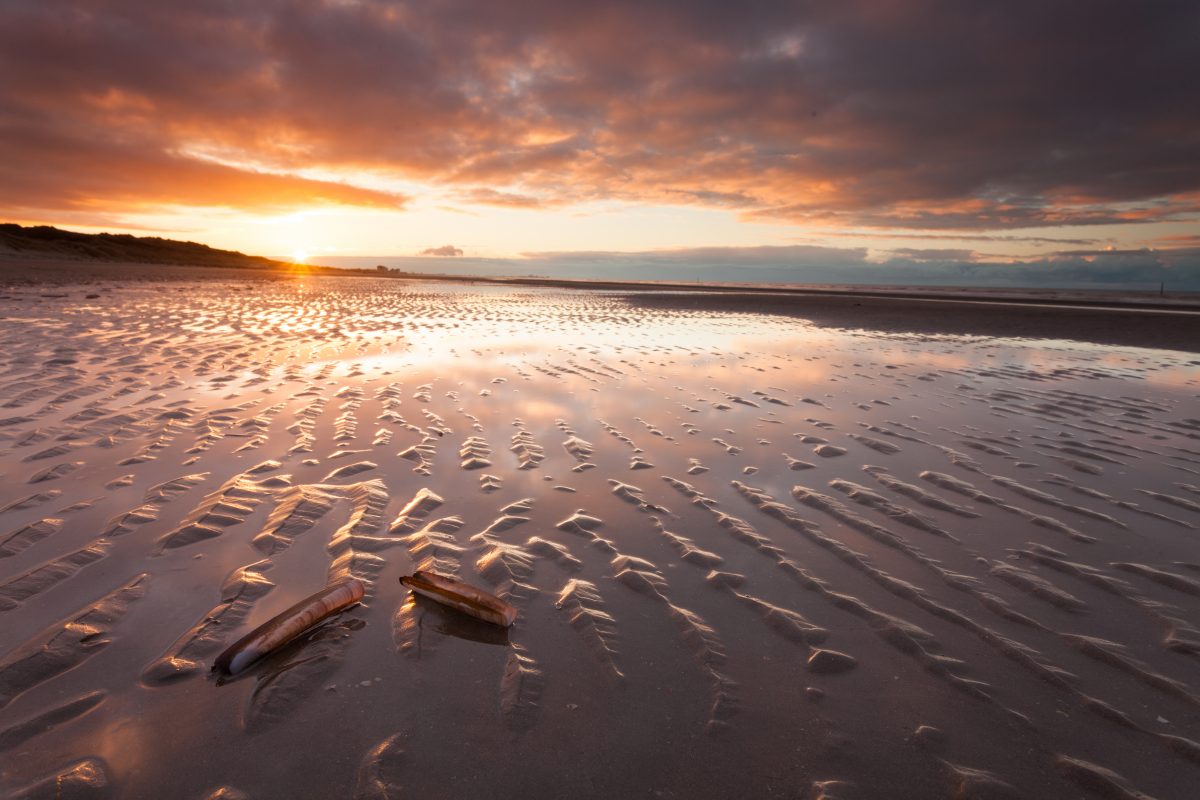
<point>491,197</point>
<point>930,114</point>
<point>1181,240</point>
<point>934,254</point>
<point>70,173</point>
<point>748,264</point>
<point>445,250</point>
<point>957,237</point>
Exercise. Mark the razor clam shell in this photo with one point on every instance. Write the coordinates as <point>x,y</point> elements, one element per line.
<point>461,596</point>
<point>284,627</point>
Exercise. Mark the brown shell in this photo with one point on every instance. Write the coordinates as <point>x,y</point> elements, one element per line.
<point>462,596</point>
<point>283,628</point>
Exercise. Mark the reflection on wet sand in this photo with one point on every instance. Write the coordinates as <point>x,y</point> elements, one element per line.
<point>749,556</point>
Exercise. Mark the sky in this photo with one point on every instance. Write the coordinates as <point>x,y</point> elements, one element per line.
<point>902,140</point>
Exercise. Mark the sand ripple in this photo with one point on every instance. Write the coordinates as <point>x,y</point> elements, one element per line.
<point>973,575</point>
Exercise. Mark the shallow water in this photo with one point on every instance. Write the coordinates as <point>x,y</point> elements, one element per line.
<point>996,538</point>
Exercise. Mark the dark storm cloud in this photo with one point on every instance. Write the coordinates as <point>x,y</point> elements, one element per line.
<point>921,114</point>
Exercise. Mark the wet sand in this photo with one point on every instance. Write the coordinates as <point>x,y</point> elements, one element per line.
<point>1098,321</point>
<point>757,551</point>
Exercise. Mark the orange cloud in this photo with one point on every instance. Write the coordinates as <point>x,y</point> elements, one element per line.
<point>491,197</point>
<point>42,171</point>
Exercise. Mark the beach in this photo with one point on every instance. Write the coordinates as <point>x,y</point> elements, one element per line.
<point>761,544</point>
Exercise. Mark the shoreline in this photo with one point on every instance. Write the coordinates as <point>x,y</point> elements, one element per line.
<point>1129,319</point>
<point>1054,297</point>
